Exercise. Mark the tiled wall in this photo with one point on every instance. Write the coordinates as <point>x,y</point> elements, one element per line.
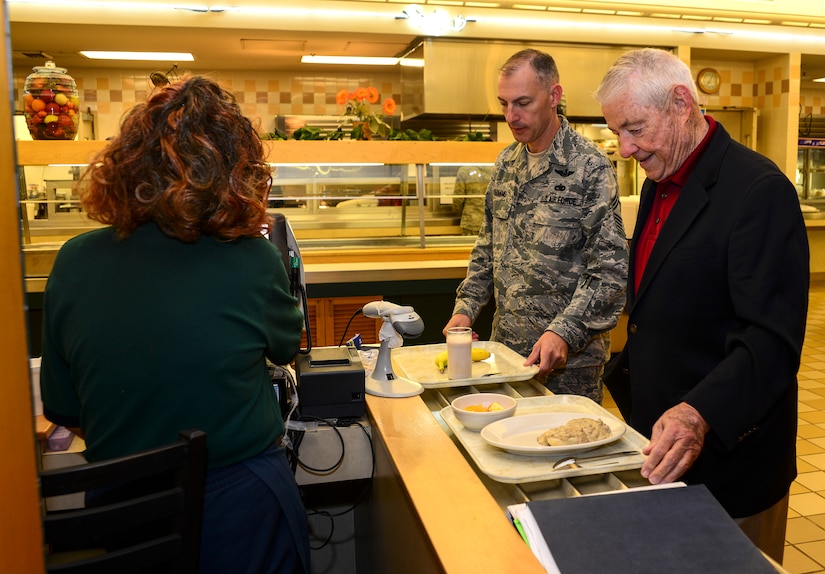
<point>736,88</point>
<point>111,92</point>
<point>812,103</point>
<point>262,95</point>
<point>747,85</point>
<point>743,87</point>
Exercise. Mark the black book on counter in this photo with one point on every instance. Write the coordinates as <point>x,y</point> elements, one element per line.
<point>679,530</point>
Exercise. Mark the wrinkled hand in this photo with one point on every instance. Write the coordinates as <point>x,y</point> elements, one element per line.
<point>550,351</point>
<point>459,320</point>
<point>676,441</point>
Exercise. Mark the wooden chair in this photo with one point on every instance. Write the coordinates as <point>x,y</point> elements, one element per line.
<point>147,517</point>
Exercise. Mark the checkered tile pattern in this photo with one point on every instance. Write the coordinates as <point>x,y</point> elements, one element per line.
<point>110,93</point>
<point>762,85</point>
<point>805,538</point>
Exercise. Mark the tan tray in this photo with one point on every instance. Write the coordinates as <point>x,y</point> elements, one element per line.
<point>513,468</point>
<point>417,363</point>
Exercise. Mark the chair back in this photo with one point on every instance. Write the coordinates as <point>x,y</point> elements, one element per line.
<point>143,511</point>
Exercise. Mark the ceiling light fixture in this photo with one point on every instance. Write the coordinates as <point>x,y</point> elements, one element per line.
<point>207,9</point>
<point>348,60</point>
<point>703,31</point>
<point>819,80</point>
<point>436,23</point>
<point>138,56</point>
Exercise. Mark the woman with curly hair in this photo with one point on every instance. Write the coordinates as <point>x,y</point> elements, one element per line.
<point>163,320</point>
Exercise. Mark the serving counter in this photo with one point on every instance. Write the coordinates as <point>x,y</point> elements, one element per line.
<point>429,511</point>
<point>432,510</point>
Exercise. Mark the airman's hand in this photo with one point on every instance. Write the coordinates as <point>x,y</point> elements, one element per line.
<point>459,320</point>
<point>550,352</point>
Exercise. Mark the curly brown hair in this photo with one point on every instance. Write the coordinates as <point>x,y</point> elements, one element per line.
<point>187,159</point>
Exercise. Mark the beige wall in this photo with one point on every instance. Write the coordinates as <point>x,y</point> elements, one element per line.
<point>776,86</point>
<point>771,86</point>
<point>262,95</point>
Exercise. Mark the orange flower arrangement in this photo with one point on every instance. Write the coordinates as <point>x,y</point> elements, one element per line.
<point>358,105</point>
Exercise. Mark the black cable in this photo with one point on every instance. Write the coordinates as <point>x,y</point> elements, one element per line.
<point>295,439</point>
<point>344,334</point>
<point>362,497</point>
<point>368,486</point>
<point>331,527</point>
<point>340,458</point>
<point>306,321</point>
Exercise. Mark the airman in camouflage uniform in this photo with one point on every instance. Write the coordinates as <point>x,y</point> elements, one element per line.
<point>471,183</point>
<point>553,254</point>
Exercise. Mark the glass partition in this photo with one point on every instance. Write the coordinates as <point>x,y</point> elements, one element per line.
<point>345,195</point>
<point>332,205</point>
<point>328,205</point>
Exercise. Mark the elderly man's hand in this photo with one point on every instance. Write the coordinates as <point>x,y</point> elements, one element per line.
<point>676,441</point>
<point>550,351</point>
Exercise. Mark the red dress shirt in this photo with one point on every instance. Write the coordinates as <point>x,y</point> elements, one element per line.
<point>667,192</point>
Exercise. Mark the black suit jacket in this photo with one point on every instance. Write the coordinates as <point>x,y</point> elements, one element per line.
<point>719,319</point>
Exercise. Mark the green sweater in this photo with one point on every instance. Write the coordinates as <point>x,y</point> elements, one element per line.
<point>146,336</point>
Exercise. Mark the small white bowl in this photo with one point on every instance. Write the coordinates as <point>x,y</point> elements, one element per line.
<point>475,421</point>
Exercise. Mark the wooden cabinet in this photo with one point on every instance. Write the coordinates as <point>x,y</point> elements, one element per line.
<point>334,320</point>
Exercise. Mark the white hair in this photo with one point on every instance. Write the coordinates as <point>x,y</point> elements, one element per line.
<point>650,74</point>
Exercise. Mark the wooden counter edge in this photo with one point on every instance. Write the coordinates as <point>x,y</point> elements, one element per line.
<point>467,529</point>
<point>295,152</point>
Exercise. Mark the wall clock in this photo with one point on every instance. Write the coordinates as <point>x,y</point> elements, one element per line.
<point>708,80</point>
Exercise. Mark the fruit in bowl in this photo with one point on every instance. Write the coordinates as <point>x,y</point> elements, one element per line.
<point>476,410</point>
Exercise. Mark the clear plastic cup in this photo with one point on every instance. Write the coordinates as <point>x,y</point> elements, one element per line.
<point>459,352</point>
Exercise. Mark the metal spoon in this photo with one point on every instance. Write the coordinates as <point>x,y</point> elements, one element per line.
<point>571,460</point>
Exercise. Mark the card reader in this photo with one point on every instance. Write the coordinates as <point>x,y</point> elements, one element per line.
<point>331,383</point>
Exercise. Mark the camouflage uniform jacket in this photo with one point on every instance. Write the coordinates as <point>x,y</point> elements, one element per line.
<point>552,250</point>
<point>470,188</point>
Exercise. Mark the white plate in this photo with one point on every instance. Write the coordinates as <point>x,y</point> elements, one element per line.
<point>519,434</point>
<point>510,468</point>
<point>417,363</point>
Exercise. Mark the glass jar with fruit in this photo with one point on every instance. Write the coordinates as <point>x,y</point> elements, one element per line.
<point>52,104</point>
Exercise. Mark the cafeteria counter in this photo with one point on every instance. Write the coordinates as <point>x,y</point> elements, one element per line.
<point>433,510</point>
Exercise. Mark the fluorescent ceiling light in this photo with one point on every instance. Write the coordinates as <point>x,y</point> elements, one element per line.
<point>820,80</point>
<point>149,56</point>
<point>354,60</point>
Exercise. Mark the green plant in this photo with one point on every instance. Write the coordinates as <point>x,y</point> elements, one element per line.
<point>359,106</point>
<point>412,135</point>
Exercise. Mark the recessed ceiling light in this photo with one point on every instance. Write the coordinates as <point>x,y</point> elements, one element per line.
<point>148,56</point>
<point>820,80</point>
<point>353,60</point>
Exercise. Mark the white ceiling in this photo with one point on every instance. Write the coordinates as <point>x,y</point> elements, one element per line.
<point>214,48</point>
<point>263,45</point>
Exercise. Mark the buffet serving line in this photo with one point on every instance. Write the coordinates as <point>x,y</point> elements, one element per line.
<point>441,491</point>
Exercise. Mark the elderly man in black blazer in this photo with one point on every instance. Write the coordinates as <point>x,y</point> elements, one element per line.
<point>717,299</point>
